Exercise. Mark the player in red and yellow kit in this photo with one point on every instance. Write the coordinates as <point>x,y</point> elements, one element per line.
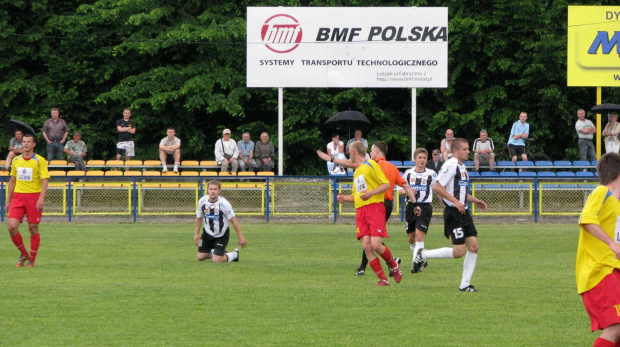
<point>26,196</point>
<point>369,187</point>
<point>598,253</point>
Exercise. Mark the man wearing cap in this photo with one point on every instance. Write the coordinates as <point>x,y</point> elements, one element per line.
<point>227,152</point>
<point>55,131</point>
<point>435,162</point>
<point>76,150</point>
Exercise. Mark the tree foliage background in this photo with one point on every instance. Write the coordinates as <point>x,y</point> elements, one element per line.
<point>182,64</point>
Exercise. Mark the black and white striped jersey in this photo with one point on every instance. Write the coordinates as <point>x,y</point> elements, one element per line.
<point>422,182</point>
<point>455,179</point>
<point>215,215</point>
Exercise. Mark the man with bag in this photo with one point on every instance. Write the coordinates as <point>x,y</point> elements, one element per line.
<point>226,152</point>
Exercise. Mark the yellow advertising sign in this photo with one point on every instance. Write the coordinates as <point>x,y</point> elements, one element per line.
<point>593,46</point>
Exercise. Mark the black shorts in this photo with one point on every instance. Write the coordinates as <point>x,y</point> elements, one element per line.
<point>388,208</point>
<point>457,227</point>
<point>218,244</point>
<point>169,159</point>
<point>516,150</point>
<point>421,222</point>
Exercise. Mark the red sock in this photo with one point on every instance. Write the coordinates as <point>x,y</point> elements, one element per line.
<point>601,342</point>
<point>387,256</point>
<point>19,243</point>
<point>375,265</point>
<point>34,246</point>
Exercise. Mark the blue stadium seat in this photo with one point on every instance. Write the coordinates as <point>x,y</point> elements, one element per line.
<point>596,174</point>
<point>525,163</point>
<point>350,173</point>
<point>581,163</point>
<point>489,174</point>
<point>584,174</point>
<point>468,163</point>
<point>546,174</point>
<point>474,174</point>
<point>544,163</point>
<point>409,163</point>
<point>594,162</point>
<point>505,163</point>
<point>491,186</point>
<point>562,163</point>
<point>565,174</point>
<point>509,174</point>
<point>527,174</point>
<point>395,162</point>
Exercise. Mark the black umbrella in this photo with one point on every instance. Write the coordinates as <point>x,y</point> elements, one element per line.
<point>348,120</point>
<point>14,124</point>
<point>606,107</point>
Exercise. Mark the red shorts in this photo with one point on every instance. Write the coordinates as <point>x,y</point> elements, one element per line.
<point>25,204</point>
<point>603,302</point>
<point>370,221</point>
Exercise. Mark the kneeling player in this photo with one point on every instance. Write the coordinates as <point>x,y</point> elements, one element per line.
<point>418,214</point>
<point>213,215</point>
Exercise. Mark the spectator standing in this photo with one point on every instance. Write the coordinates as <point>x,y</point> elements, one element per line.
<point>15,148</point>
<point>446,145</point>
<point>585,132</point>
<point>336,150</point>
<point>453,187</point>
<point>597,269</point>
<point>612,143</point>
<point>265,153</point>
<point>55,132</point>
<point>76,151</point>
<point>518,134</point>
<point>26,196</point>
<point>213,216</point>
<point>357,136</point>
<point>227,152</point>
<point>246,152</point>
<point>435,162</point>
<point>483,151</point>
<point>170,151</point>
<point>126,130</point>
<point>369,187</point>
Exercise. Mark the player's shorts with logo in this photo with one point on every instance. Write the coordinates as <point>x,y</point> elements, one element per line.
<point>457,226</point>
<point>126,147</point>
<point>370,221</point>
<point>25,204</point>
<point>601,301</point>
<point>217,244</point>
<point>421,222</point>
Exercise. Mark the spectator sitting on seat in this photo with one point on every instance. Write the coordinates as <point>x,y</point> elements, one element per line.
<point>76,151</point>
<point>518,134</point>
<point>483,151</point>
<point>335,149</point>
<point>227,152</point>
<point>435,162</point>
<point>264,153</point>
<point>170,151</point>
<point>246,152</point>
<point>55,132</point>
<point>15,148</point>
<point>357,136</point>
<point>446,145</point>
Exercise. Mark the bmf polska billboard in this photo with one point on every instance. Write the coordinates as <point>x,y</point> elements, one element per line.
<point>343,47</point>
<point>593,46</point>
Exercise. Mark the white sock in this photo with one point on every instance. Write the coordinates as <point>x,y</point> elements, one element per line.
<point>417,246</point>
<point>412,246</point>
<point>445,252</point>
<point>163,166</point>
<point>176,166</point>
<point>231,256</point>
<point>469,264</point>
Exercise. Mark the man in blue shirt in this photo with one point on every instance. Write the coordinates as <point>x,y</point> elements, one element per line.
<point>246,153</point>
<point>516,142</point>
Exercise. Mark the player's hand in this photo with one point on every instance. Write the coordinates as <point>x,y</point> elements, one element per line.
<point>481,204</point>
<point>417,211</point>
<point>365,196</point>
<point>340,198</point>
<point>40,204</point>
<point>242,242</point>
<point>196,240</point>
<point>460,206</point>
<point>323,155</point>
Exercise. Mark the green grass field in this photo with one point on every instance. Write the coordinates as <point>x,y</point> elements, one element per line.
<point>139,284</point>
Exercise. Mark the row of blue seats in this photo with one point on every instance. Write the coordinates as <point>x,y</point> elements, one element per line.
<point>545,163</point>
<point>494,186</point>
<point>531,174</point>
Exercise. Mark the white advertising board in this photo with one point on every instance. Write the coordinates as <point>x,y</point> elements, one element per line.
<point>347,47</point>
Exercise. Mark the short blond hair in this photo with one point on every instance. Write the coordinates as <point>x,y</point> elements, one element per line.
<point>358,147</point>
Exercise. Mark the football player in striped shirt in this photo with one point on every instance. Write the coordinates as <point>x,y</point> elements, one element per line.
<point>453,188</point>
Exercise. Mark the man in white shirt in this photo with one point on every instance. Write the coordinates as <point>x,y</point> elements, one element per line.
<point>483,151</point>
<point>227,152</point>
<point>170,150</point>
<point>585,132</point>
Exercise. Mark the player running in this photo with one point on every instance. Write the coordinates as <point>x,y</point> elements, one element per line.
<point>212,216</point>
<point>419,212</point>
<point>453,187</point>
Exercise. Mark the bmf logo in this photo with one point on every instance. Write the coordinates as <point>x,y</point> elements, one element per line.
<point>602,40</point>
<point>281,33</point>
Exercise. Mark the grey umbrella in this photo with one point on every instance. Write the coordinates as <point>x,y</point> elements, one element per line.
<point>14,124</point>
<point>606,108</point>
<point>348,120</point>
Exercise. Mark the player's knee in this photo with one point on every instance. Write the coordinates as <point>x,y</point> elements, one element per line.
<point>220,259</point>
<point>473,248</point>
<point>458,252</point>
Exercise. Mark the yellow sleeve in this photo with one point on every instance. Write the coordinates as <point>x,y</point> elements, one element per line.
<point>591,210</point>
